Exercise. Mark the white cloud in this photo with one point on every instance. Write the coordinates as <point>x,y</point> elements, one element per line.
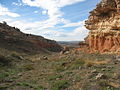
<point>49,5</point>
<point>35,11</point>
<point>57,34</point>
<point>17,4</point>
<point>47,28</point>
<point>14,3</point>
<point>44,12</point>
<point>77,34</point>
<point>4,11</point>
<point>74,24</point>
<point>52,8</point>
<point>62,3</point>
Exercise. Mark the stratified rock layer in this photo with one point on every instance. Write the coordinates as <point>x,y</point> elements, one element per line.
<point>104,26</point>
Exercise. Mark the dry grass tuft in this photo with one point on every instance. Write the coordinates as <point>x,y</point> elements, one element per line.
<point>116,85</point>
<point>90,63</point>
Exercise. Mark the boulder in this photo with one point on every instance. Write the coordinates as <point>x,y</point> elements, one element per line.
<point>45,58</point>
<point>100,76</point>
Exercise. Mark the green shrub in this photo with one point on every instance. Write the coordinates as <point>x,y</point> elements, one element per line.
<point>60,85</point>
<point>76,64</point>
<point>104,86</point>
<point>7,73</point>
<point>28,67</point>
<point>3,87</point>
<point>103,83</point>
<point>3,75</point>
<point>31,85</point>
<point>24,84</point>
<point>4,61</point>
<point>16,56</point>
<point>39,88</point>
<point>54,77</point>
<point>89,64</point>
<point>78,78</point>
<point>60,69</point>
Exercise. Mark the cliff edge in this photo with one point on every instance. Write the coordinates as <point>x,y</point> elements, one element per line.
<point>104,26</point>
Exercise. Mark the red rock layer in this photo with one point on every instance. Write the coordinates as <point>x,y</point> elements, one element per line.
<point>104,26</point>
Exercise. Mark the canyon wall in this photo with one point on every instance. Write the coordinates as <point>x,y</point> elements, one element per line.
<point>104,26</point>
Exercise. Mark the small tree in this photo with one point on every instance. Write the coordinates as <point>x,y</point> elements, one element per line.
<point>5,23</point>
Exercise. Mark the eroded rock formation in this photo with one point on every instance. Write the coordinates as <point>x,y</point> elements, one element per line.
<point>104,26</point>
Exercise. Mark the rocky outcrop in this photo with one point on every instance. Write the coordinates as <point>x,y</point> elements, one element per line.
<point>104,26</point>
<point>13,38</point>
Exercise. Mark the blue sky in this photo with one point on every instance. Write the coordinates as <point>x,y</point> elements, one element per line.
<point>61,20</point>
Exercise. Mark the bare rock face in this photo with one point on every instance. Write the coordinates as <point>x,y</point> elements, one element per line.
<point>104,26</point>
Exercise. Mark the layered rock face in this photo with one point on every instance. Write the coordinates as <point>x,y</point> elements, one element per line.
<point>104,26</point>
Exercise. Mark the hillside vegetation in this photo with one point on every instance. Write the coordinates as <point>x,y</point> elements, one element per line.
<point>69,71</point>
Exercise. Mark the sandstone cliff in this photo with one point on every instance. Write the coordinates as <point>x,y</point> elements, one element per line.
<point>104,26</point>
<point>13,39</point>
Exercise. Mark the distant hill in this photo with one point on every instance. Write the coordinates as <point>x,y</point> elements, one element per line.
<point>12,38</point>
<point>69,43</point>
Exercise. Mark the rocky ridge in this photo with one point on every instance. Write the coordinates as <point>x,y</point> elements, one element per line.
<point>104,26</point>
<point>13,38</point>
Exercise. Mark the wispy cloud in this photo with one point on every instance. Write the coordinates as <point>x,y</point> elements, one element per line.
<point>35,11</point>
<point>52,8</point>
<point>55,33</point>
<point>17,3</point>
<point>44,12</point>
<point>74,24</point>
<point>5,11</point>
<point>47,28</point>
